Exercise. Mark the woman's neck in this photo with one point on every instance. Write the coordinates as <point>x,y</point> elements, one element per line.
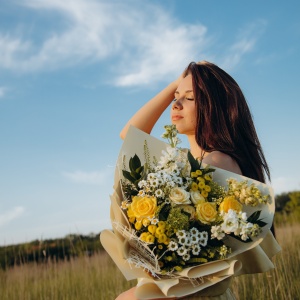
<point>195,149</point>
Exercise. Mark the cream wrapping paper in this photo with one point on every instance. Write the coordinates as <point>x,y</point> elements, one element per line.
<point>245,257</point>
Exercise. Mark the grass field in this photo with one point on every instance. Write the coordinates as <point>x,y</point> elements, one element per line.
<point>98,278</point>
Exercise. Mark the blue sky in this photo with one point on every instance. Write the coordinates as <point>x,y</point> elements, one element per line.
<point>73,72</point>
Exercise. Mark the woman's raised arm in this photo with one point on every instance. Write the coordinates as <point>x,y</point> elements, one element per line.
<point>146,117</point>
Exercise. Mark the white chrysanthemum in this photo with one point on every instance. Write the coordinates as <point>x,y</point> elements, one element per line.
<point>142,184</point>
<point>196,249</point>
<point>184,240</point>
<point>159,193</point>
<point>181,233</point>
<point>186,257</point>
<point>204,235</point>
<point>151,176</point>
<point>203,242</point>
<point>194,239</point>
<point>181,251</point>
<point>154,221</point>
<point>178,180</point>
<point>170,184</point>
<point>194,231</point>
<point>173,246</point>
<point>154,182</point>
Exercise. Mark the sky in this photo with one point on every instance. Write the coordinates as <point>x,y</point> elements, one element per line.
<point>73,72</point>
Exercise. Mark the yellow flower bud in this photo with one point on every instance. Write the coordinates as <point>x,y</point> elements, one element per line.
<point>160,230</point>
<point>194,186</point>
<point>152,228</point>
<point>138,225</point>
<point>144,235</point>
<point>201,184</point>
<point>208,177</point>
<point>199,172</point>
<point>161,224</point>
<point>207,188</point>
<point>150,239</point>
<point>162,238</point>
<point>204,193</point>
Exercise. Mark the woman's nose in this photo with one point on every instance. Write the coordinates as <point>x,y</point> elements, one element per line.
<point>177,104</point>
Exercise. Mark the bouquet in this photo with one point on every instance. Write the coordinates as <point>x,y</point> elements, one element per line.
<point>178,223</point>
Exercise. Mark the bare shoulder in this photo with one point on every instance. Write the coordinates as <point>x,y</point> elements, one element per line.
<point>221,160</point>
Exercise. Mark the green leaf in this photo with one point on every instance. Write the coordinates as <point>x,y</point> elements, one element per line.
<point>193,162</point>
<point>164,212</point>
<point>261,223</point>
<point>254,217</point>
<point>135,175</point>
<point>127,175</point>
<point>134,163</point>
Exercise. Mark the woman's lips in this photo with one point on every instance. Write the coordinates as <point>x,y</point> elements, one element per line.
<point>176,117</point>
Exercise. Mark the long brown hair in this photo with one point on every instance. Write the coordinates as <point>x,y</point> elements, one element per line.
<point>224,121</point>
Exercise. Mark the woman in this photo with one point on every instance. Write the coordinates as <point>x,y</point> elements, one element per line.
<point>210,108</point>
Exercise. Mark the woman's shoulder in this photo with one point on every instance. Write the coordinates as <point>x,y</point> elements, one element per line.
<point>223,161</point>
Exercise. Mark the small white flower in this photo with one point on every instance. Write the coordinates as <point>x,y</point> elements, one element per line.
<point>154,221</point>
<point>184,240</point>
<point>196,249</point>
<point>186,257</point>
<point>173,246</point>
<point>159,193</point>
<point>181,233</point>
<point>142,184</point>
<point>194,239</point>
<point>194,231</point>
<point>181,251</point>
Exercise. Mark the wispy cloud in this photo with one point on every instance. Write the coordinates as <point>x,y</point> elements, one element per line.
<point>151,46</point>
<point>2,91</point>
<point>11,215</point>
<point>245,42</point>
<point>94,177</point>
<point>143,47</point>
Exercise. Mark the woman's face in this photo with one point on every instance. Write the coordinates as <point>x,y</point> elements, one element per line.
<point>183,112</point>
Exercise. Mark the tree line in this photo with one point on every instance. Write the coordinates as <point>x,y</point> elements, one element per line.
<point>40,251</point>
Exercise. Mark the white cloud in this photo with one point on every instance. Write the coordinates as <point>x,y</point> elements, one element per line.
<point>285,184</point>
<point>2,91</point>
<point>151,46</point>
<point>11,215</point>
<point>144,47</point>
<point>245,42</point>
<point>94,177</point>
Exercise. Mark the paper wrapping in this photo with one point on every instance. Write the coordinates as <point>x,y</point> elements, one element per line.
<point>251,257</point>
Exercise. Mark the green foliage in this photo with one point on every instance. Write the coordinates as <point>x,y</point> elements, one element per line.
<point>288,207</point>
<point>40,251</point>
<point>136,170</point>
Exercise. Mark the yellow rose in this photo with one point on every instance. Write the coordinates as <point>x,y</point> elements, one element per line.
<point>206,212</point>
<point>143,207</point>
<point>180,196</point>
<point>230,202</point>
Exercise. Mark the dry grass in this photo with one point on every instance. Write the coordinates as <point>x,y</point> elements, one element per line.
<point>97,277</point>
